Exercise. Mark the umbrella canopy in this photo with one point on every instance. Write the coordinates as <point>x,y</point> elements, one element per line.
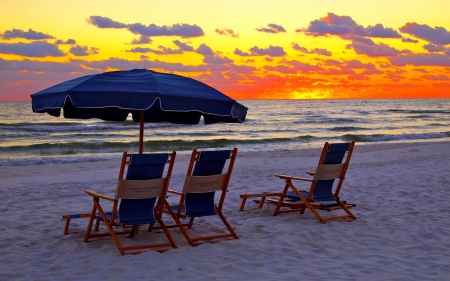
<point>148,95</point>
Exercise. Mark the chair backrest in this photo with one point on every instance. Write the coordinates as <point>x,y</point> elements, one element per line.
<point>204,177</point>
<point>332,165</point>
<point>144,183</point>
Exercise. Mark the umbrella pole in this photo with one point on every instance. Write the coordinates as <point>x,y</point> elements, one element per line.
<point>141,132</point>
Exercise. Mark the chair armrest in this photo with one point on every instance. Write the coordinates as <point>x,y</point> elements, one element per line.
<point>284,177</point>
<point>174,192</point>
<point>311,173</point>
<point>98,195</point>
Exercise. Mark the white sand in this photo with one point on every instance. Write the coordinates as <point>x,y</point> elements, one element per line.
<point>402,230</point>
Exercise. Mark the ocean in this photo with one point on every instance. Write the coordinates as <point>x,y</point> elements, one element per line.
<point>28,138</point>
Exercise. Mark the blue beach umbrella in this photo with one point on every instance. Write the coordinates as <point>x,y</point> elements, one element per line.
<point>148,95</point>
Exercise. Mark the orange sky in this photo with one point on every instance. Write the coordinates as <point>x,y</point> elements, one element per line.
<point>251,49</point>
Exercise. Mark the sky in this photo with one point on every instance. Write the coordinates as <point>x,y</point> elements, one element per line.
<point>248,49</point>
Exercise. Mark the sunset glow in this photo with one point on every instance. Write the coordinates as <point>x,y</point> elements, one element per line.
<point>286,49</point>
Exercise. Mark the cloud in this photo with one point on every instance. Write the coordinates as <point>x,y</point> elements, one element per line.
<point>376,50</point>
<point>366,46</point>
<point>322,28</point>
<point>345,26</point>
<point>272,28</point>
<point>273,51</point>
<point>205,50</point>
<point>331,62</point>
<point>421,59</point>
<point>369,68</point>
<point>227,32</point>
<point>139,50</point>
<point>104,22</point>
<point>409,40</point>
<point>183,30</point>
<point>361,40</point>
<point>434,48</point>
<point>161,51</point>
<point>34,49</point>
<point>37,66</point>
<point>441,85</point>
<point>303,67</point>
<point>318,51</point>
<point>297,47</point>
<point>216,60</point>
<point>281,68</point>
<point>338,71</point>
<point>358,77</point>
<point>183,46</point>
<point>29,35</point>
<point>141,40</point>
<point>68,42</point>
<point>83,50</point>
<point>118,63</point>
<point>441,77</point>
<point>241,53</point>
<point>437,35</point>
<point>394,77</point>
<point>242,69</point>
<point>379,31</point>
<point>346,67</point>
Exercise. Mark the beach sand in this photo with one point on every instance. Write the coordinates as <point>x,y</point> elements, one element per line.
<point>402,230</point>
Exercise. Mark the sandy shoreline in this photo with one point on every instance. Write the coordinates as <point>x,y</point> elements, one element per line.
<point>402,231</point>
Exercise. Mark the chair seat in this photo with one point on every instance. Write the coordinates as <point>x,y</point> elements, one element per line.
<point>108,216</point>
<point>183,211</point>
<point>293,196</point>
<point>130,222</point>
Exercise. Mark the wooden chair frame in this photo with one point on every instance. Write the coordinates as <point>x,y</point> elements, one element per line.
<point>193,241</point>
<point>111,223</point>
<point>307,201</point>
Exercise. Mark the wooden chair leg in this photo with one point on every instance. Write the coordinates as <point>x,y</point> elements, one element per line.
<point>166,231</point>
<point>97,225</point>
<point>283,195</point>
<point>66,227</point>
<point>261,203</point>
<point>179,224</point>
<point>305,202</point>
<point>91,220</point>
<point>109,227</point>
<point>227,224</point>
<point>183,230</point>
<point>191,222</point>
<point>244,199</point>
<point>303,210</point>
<point>345,208</point>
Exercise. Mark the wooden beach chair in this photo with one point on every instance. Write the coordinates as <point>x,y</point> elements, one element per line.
<point>143,188</point>
<point>333,164</point>
<point>204,177</point>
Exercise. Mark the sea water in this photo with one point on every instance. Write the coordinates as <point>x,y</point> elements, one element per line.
<point>272,125</point>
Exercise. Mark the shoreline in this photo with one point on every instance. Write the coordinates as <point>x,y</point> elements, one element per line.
<point>23,170</point>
